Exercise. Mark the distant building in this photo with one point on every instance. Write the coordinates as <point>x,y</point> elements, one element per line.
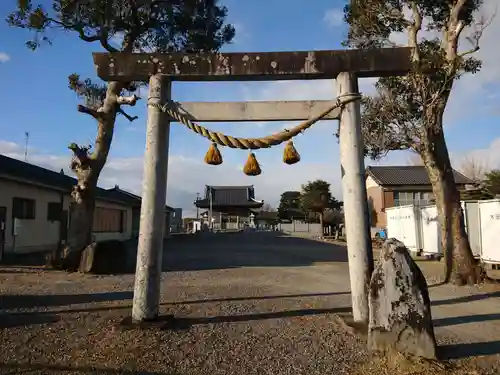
<point>35,209</point>
<point>176,224</point>
<point>390,186</point>
<point>135,201</point>
<point>232,206</point>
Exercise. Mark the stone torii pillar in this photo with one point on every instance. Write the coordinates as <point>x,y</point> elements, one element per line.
<point>356,212</point>
<point>154,189</point>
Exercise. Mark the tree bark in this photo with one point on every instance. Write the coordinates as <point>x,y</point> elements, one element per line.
<point>80,229</point>
<point>460,266</point>
<point>87,168</point>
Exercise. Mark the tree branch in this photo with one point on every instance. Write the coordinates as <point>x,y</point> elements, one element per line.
<point>81,157</point>
<point>128,100</point>
<point>413,31</point>
<point>103,37</point>
<point>127,116</point>
<point>477,34</point>
<point>89,111</point>
<point>452,32</point>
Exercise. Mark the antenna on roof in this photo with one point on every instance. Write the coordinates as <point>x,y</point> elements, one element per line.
<point>26,136</point>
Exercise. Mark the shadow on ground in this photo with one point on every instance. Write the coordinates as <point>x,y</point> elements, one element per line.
<point>169,322</point>
<point>15,319</point>
<point>27,301</point>
<point>464,299</point>
<point>458,351</point>
<point>221,251</point>
<point>253,249</point>
<point>456,320</point>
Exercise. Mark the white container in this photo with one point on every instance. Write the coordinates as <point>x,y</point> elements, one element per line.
<point>489,212</point>
<point>431,231</point>
<point>403,224</point>
<point>472,218</point>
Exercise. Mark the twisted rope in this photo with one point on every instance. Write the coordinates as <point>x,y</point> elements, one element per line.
<point>254,143</point>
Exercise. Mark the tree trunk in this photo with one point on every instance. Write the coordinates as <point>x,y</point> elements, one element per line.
<point>80,229</point>
<point>87,168</point>
<point>321,224</point>
<point>460,265</point>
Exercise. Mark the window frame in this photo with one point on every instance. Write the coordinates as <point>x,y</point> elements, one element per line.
<point>27,207</point>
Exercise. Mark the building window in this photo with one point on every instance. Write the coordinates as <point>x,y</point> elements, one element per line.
<point>109,220</point>
<point>403,198</point>
<point>54,210</point>
<point>23,208</point>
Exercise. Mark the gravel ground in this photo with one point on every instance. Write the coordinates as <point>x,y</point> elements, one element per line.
<point>248,303</point>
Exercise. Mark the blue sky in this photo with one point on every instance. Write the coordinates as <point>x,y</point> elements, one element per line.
<point>36,99</point>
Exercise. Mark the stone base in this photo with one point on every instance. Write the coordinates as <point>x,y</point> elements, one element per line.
<point>163,322</point>
<point>105,257</point>
<point>405,340</point>
<point>346,321</point>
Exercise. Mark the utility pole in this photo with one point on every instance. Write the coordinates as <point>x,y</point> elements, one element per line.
<point>154,186</point>
<point>197,208</point>
<point>359,246</point>
<point>26,140</point>
<point>210,209</point>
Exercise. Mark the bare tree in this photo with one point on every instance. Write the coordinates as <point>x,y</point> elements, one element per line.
<point>474,168</point>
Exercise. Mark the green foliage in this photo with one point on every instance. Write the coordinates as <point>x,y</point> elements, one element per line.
<point>139,25</point>
<point>146,25</point>
<point>289,205</point>
<point>492,181</point>
<point>316,196</point>
<point>372,21</point>
<point>407,111</point>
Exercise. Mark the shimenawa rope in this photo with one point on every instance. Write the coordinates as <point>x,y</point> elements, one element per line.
<point>254,143</point>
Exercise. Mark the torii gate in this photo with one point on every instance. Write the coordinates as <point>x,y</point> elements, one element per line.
<point>161,69</point>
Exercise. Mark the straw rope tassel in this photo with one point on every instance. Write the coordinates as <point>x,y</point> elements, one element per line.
<point>290,155</point>
<point>213,155</point>
<point>252,167</point>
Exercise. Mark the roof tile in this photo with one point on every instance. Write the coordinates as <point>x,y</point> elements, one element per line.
<point>19,169</point>
<point>239,196</point>
<point>407,175</point>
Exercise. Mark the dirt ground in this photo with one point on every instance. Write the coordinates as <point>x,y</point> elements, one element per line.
<point>244,303</point>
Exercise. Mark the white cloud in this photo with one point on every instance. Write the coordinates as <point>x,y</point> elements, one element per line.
<point>4,57</point>
<point>334,17</point>
<point>242,34</point>
<point>488,157</point>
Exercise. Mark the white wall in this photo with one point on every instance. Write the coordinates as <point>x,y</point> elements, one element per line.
<point>370,182</point>
<point>41,234</point>
<point>34,235</point>
<point>300,227</point>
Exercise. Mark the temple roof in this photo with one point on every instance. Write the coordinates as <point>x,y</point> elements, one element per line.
<point>229,196</point>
